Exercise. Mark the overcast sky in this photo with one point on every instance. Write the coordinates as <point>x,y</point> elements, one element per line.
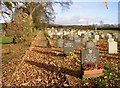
<point>82,13</point>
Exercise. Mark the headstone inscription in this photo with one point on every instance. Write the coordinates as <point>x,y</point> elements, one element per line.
<point>68,46</point>
<point>90,54</point>
<point>90,61</point>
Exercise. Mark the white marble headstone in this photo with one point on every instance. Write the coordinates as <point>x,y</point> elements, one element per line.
<point>111,40</point>
<point>97,37</point>
<point>112,47</point>
<point>95,41</point>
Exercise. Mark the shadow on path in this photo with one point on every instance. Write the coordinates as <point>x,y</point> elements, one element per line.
<point>56,69</point>
<point>61,54</point>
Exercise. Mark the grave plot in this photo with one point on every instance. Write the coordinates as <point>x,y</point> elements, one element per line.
<point>90,66</point>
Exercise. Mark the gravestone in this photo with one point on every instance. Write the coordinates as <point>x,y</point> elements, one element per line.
<point>90,55</point>
<point>103,36</point>
<point>115,35</point>
<point>60,43</point>
<point>95,41</point>
<point>112,47</point>
<point>97,37</point>
<point>119,37</point>
<point>76,37</point>
<point>68,46</point>
<point>90,62</point>
<point>110,40</point>
<point>55,37</point>
<point>77,43</point>
<point>71,38</point>
<point>84,40</point>
<point>109,35</point>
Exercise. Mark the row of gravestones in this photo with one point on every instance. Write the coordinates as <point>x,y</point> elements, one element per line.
<point>55,34</point>
<point>84,37</point>
<point>72,43</point>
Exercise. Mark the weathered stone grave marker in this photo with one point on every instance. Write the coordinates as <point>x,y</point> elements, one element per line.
<point>60,43</point>
<point>95,41</point>
<point>90,65</point>
<point>68,46</point>
<point>110,40</point>
<point>84,40</point>
<point>71,38</point>
<point>112,47</point>
<point>119,37</point>
<point>55,37</point>
<point>97,37</point>
<point>77,43</point>
<point>102,36</point>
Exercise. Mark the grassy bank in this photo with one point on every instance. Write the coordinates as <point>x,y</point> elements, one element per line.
<point>12,51</point>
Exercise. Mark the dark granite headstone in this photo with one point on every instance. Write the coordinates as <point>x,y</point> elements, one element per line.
<point>68,46</point>
<point>90,55</point>
<point>90,62</point>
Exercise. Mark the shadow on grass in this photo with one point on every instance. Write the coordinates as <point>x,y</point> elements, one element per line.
<point>56,69</point>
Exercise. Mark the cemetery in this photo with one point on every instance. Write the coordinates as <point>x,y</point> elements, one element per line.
<point>73,54</point>
<point>37,53</point>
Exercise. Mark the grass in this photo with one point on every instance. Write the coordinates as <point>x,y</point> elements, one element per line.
<point>15,51</point>
<point>6,39</point>
<point>109,31</point>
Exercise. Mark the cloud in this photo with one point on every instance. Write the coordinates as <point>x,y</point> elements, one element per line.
<point>77,5</point>
<point>66,20</point>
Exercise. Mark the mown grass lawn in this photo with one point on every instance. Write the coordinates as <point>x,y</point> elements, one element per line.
<point>109,31</point>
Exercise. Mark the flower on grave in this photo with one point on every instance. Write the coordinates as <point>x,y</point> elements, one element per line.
<point>99,66</point>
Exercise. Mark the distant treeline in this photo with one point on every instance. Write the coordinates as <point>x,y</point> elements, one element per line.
<point>84,27</point>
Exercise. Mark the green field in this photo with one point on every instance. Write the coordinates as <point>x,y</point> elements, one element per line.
<point>6,40</point>
<point>109,31</point>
